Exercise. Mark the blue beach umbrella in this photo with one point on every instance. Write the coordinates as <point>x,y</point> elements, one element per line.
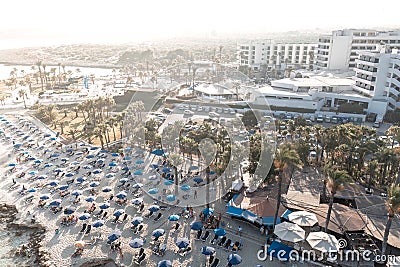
<point>69,150</point>
<point>185,187</point>
<point>76,193</point>
<point>81,179</point>
<point>119,212</point>
<point>98,223</point>
<point>137,220</point>
<point>32,172</point>
<point>158,232</point>
<point>84,216</point>
<point>123,180</point>
<point>94,148</point>
<point>208,211</point>
<point>53,183</point>
<point>100,161</point>
<point>12,164</point>
<point>104,151</point>
<point>154,166</point>
<point>137,201</point>
<point>97,171</point>
<point>219,232</point>
<point>139,161</point>
<point>38,161</point>
<point>115,154</point>
<point>104,206</point>
<point>43,176</point>
<point>48,165</point>
<point>57,170</point>
<point>234,259</point>
<point>136,243</point>
<point>173,217</point>
<point>158,152</point>
<point>106,189</point>
<point>63,187</point>
<point>110,175</point>
<point>47,135</point>
<point>94,184</point>
<point>137,185</point>
<point>87,167</point>
<point>78,153</point>
<point>153,191</point>
<point>32,190</point>
<point>182,242</point>
<point>138,172</point>
<point>207,250</point>
<point>114,236</point>
<point>164,263</point>
<point>64,159</point>
<point>69,210</point>
<point>70,174</point>
<point>154,208</point>
<point>55,202</point>
<point>198,180</point>
<point>170,197</point>
<point>31,158</point>
<point>121,195</point>
<point>196,226</point>
<point>55,155</point>
<point>53,138</point>
<point>166,169</point>
<point>193,168</point>
<point>90,199</point>
<point>125,168</point>
<point>112,164</point>
<point>168,182</point>
<point>89,156</point>
<point>44,196</point>
<point>127,158</point>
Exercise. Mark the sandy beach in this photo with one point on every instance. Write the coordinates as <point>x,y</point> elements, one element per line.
<point>36,152</point>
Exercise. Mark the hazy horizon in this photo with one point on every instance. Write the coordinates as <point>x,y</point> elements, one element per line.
<point>42,23</point>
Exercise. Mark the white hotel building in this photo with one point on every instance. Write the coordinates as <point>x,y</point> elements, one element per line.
<point>375,86</point>
<point>338,51</point>
<point>274,55</point>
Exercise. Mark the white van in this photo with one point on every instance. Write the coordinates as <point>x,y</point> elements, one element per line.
<point>213,114</point>
<point>188,112</point>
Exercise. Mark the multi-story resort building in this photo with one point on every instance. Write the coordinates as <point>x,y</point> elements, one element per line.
<point>338,51</point>
<point>375,86</point>
<point>275,55</point>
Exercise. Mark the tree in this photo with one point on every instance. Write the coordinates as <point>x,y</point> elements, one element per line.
<point>249,119</point>
<point>22,94</point>
<point>285,158</point>
<point>392,206</point>
<point>175,160</point>
<point>337,179</point>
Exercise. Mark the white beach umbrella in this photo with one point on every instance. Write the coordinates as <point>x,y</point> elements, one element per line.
<point>303,218</point>
<point>323,242</point>
<point>289,232</point>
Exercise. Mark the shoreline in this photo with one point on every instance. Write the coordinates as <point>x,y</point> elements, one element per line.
<point>82,65</point>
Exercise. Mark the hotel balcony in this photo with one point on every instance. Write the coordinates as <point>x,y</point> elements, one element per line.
<point>363,80</point>
<point>362,90</point>
<point>395,71</point>
<point>364,61</point>
<point>365,70</point>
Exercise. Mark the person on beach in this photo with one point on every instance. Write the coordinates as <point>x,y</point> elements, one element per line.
<point>195,194</point>
<point>239,231</point>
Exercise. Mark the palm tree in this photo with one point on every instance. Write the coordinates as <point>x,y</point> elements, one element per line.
<point>394,131</point>
<point>285,157</point>
<point>337,179</point>
<point>22,94</point>
<point>175,160</point>
<point>392,206</point>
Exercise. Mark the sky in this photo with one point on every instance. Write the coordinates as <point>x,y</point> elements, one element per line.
<point>121,21</point>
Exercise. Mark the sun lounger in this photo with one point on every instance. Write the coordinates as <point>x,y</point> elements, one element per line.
<point>205,236</point>
<point>199,232</point>
<point>222,241</point>
<point>83,228</point>
<point>215,263</point>
<point>140,259</point>
<point>227,244</point>
<point>99,213</point>
<point>105,215</point>
<point>185,251</point>
<point>214,240</point>
<point>89,227</point>
<point>159,215</point>
<point>138,229</point>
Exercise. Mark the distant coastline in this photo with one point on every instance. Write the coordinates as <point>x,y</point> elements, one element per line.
<point>85,65</point>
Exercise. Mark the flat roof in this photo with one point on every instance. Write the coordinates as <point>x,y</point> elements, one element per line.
<point>315,81</point>
<point>276,92</point>
<point>213,89</point>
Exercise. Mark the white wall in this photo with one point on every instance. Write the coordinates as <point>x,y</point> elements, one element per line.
<point>339,53</point>
<point>293,103</point>
<point>378,107</point>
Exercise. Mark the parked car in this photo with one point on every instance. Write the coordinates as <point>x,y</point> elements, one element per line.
<point>213,114</point>
<point>188,112</point>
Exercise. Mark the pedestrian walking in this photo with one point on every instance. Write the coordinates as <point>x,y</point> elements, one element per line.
<point>195,194</point>
<point>239,231</point>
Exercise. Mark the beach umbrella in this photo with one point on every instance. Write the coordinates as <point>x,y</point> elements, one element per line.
<point>170,197</point>
<point>94,184</point>
<point>84,216</point>
<point>43,176</point>
<point>123,180</point>
<point>104,151</point>
<point>110,175</point>
<point>198,180</point>
<point>32,172</point>
<point>173,217</point>
<point>154,208</point>
<point>80,244</point>
<point>115,154</point>
<point>81,179</point>
<point>138,172</point>
<point>323,242</point>
<point>53,182</point>
<point>38,161</point>
<point>87,167</point>
<point>219,232</point>
<point>303,218</point>
<point>100,161</point>
<point>78,153</point>
<point>136,243</point>
<point>106,189</point>
<point>185,187</point>
<point>125,168</point>
<point>193,168</point>
<point>58,170</point>
<point>212,172</point>
<point>139,161</point>
<point>137,201</point>
<point>153,191</point>
<point>32,190</point>
<point>64,159</point>
<point>69,210</point>
<point>168,182</point>
<point>153,177</point>
<point>127,158</point>
<point>98,223</point>
<point>44,196</point>
<point>89,156</point>
<point>69,150</point>
<point>55,155</point>
<point>55,202</point>
<point>289,232</point>
<point>31,158</point>
<point>114,236</point>
<point>121,195</point>
<point>164,263</point>
<point>112,164</point>
<point>104,206</point>
<point>47,135</point>
<point>17,145</point>
<point>97,171</point>
<point>76,192</point>
<point>234,259</point>
<point>137,185</point>
<point>182,242</point>
<point>119,212</point>
<point>208,211</point>
<point>70,174</point>
<point>48,165</point>
<point>90,199</point>
<point>154,166</point>
<point>83,144</point>
<point>75,163</point>
<point>157,152</point>
<point>63,187</point>
<point>128,149</point>
<point>196,226</point>
<point>47,150</point>
<point>137,220</point>
<point>207,250</point>
<point>12,164</point>
<point>94,148</point>
<point>166,169</point>
<point>158,232</point>
<point>53,138</point>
